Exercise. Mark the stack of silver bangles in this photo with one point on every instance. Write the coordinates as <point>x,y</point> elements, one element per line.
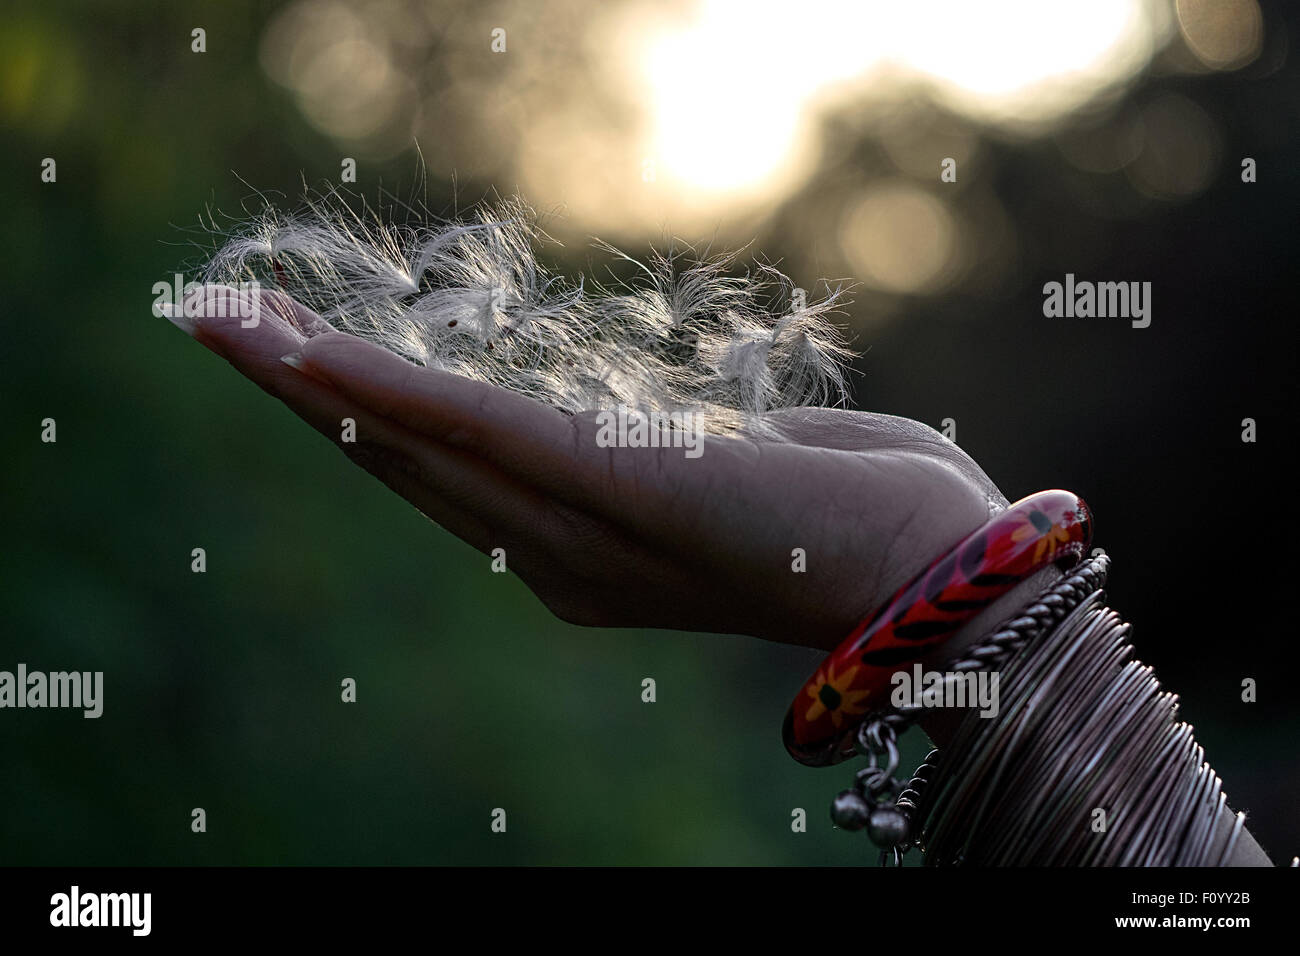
<point>1086,763</point>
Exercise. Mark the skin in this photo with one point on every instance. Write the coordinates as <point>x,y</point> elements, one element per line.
<point>601,535</point>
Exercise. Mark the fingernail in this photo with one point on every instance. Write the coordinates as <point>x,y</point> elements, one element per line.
<point>178,318</point>
<point>296,362</point>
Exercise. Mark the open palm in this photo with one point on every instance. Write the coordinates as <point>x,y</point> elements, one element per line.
<point>633,536</point>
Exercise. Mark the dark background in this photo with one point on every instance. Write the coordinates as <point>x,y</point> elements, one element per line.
<point>222,689</point>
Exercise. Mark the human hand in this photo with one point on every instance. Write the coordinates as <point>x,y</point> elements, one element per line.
<point>642,537</point>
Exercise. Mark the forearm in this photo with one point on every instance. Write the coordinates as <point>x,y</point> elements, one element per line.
<point>941,724</point>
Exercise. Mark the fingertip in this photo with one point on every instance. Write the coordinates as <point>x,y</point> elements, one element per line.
<point>341,356</point>
<point>298,362</point>
<point>224,310</point>
<point>327,344</point>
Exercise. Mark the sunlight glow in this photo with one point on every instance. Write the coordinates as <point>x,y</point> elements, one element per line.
<point>734,89</point>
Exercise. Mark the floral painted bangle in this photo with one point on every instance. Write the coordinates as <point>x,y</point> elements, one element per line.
<point>1049,527</point>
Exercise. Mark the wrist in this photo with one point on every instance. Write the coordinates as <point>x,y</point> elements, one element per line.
<point>940,723</point>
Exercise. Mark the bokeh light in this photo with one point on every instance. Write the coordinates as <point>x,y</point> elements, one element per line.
<point>1180,153</point>
<point>734,91</point>
<point>700,118</point>
<point>900,238</point>
<point>678,116</point>
<point>1223,34</point>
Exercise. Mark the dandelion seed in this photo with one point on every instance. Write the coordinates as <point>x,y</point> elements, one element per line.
<point>689,336</point>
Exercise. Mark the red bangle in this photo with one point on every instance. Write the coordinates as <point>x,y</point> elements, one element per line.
<point>1049,527</point>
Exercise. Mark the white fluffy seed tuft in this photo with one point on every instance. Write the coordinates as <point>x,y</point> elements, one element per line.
<point>469,297</point>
